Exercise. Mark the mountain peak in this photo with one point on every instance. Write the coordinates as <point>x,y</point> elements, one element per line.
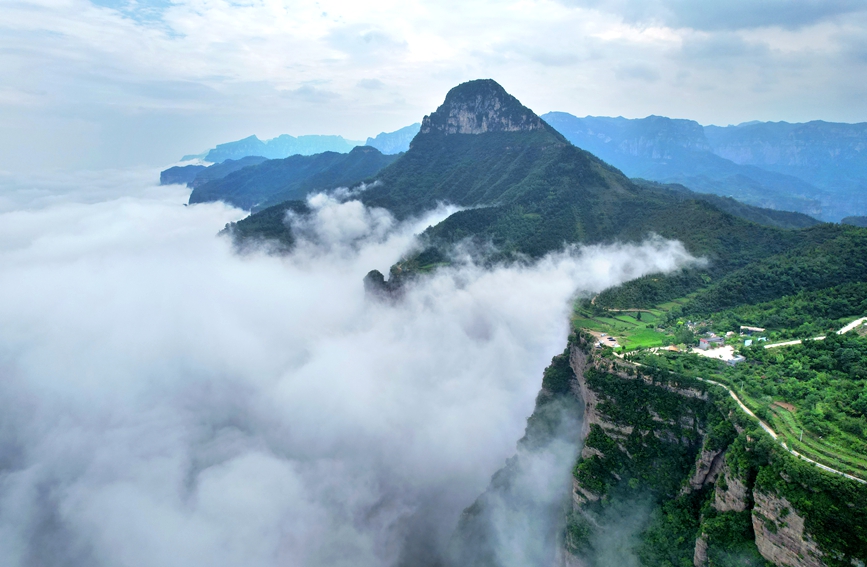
<point>480,106</point>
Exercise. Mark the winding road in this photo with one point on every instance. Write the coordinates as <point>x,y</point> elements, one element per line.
<point>845,329</point>
<point>854,324</point>
<point>774,435</point>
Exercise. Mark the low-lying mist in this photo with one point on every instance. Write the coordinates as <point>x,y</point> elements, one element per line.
<point>166,402</point>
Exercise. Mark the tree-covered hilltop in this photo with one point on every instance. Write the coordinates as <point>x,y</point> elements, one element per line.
<point>274,181</point>
<point>816,258</point>
<point>758,215</point>
<point>855,221</point>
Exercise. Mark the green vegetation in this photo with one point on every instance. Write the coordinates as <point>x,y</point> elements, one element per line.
<point>269,225</point>
<point>558,377</point>
<point>804,315</point>
<point>633,329</point>
<point>813,394</point>
<point>815,258</point>
<point>758,215</point>
<point>274,181</point>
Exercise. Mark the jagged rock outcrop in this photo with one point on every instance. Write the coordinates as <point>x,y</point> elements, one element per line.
<point>730,492</point>
<point>780,534</point>
<point>480,106</point>
<point>707,468</point>
<point>700,557</point>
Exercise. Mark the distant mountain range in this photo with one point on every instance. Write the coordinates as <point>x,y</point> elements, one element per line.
<point>817,168</point>
<point>276,148</point>
<point>267,182</point>
<point>285,145</point>
<point>394,142</point>
<point>528,191</point>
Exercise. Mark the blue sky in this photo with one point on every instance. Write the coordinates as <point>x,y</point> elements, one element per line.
<point>117,84</point>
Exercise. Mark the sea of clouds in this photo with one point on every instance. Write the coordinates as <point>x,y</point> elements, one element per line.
<point>166,401</point>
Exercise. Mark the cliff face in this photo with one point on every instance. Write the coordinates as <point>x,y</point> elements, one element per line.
<point>666,449</point>
<point>666,473</point>
<point>730,493</point>
<point>780,534</point>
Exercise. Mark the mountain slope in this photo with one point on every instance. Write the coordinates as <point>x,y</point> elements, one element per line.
<point>180,174</point>
<point>758,215</point>
<point>273,181</point>
<point>529,191</point>
<point>532,191</point>
<point>221,170</point>
<point>677,151</point>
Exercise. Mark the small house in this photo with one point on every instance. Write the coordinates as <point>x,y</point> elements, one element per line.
<point>736,360</point>
<point>705,343</point>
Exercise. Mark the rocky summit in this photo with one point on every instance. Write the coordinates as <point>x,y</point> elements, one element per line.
<point>480,106</point>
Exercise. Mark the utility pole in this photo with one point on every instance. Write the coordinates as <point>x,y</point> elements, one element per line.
<point>802,436</point>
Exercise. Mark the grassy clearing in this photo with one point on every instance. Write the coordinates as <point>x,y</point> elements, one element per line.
<point>630,331</point>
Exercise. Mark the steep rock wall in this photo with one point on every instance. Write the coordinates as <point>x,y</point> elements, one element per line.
<point>780,534</point>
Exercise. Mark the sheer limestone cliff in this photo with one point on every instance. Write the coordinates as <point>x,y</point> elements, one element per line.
<point>780,534</point>
<point>679,476</point>
<point>478,107</point>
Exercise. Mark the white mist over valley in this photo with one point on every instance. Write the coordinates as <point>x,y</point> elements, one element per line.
<point>166,400</point>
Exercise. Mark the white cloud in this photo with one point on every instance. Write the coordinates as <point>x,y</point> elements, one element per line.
<point>96,86</point>
<point>165,402</point>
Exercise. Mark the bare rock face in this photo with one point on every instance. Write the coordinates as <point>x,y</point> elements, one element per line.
<point>707,468</point>
<point>699,559</point>
<point>480,106</point>
<point>730,492</point>
<point>780,533</point>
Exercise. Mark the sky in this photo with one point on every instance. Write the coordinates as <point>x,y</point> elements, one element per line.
<point>166,401</point>
<point>115,84</point>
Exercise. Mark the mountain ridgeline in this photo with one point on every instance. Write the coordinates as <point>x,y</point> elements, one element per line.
<point>817,168</point>
<point>270,182</point>
<point>529,191</point>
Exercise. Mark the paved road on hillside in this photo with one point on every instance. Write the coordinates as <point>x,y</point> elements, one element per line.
<point>845,329</point>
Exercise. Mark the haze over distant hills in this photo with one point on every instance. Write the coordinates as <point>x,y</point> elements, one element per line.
<point>269,182</point>
<point>276,148</point>
<point>285,145</point>
<point>818,168</point>
<point>394,142</point>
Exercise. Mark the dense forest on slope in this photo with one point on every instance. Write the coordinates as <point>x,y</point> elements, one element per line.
<point>758,215</point>
<point>274,181</point>
<point>816,258</point>
<point>805,314</point>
